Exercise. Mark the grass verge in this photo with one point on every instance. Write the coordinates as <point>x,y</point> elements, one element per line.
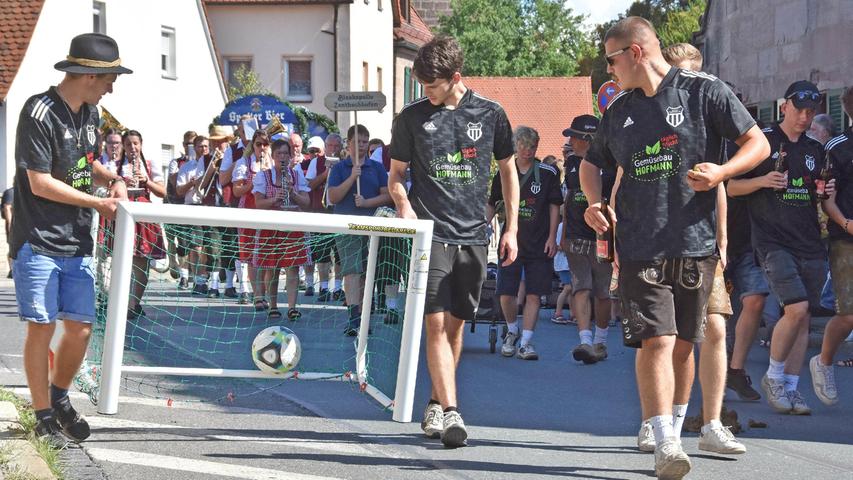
<point>27,419</point>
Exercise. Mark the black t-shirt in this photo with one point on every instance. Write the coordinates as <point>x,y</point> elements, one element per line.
<point>534,207</point>
<point>576,203</point>
<point>8,196</point>
<point>840,151</point>
<point>450,153</point>
<point>787,220</point>
<point>47,141</point>
<point>737,215</point>
<point>657,140</point>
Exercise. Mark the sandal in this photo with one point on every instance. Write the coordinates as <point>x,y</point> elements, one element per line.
<point>294,314</point>
<point>845,363</point>
<point>559,320</point>
<point>274,314</point>
<point>260,304</point>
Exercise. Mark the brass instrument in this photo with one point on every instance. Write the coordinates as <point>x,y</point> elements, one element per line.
<point>275,127</point>
<point>109,121</point>
<point>203,187</point>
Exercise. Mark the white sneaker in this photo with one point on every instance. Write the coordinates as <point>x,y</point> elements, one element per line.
<point>798,403</point>
<point>671,463</point>
<point>774,390</point>
<point>508,348</point>
<point>823,381</point>
<point>646,437</point>
<point>720,440</point>
<point>433,423</point>
<point>527,352</point>
<point>454,434</point>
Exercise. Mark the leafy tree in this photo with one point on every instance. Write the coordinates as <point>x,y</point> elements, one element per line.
<point>246,83</point>
<point>518,37</point>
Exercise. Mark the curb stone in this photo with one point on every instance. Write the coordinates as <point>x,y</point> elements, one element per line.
<point>22,455</point>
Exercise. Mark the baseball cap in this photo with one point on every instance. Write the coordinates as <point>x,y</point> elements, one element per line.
<point>316,142</point>
<point>583,127</point>
<point>803,94</point>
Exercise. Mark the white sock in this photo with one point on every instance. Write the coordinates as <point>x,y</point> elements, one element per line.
<point>229,278</point>
<point>391,303</point>
<point>791,382</point>
<point>776,370</point>
<point>600,335</point>
<point>512,328</point>
<point>526,335</point>
<point>662,427</point>
<point>711,425</point>
<point>324,285</point>
<point>338,284</point>
<point>678,413</point>
<point>586,337</point>
<point>214,282</point>
<point>185,273</point>
<point>243,268</point>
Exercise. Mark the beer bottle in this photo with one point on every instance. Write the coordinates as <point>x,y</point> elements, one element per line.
<point>604,242</point>
<point>781,164</point>
<point>822,179</point>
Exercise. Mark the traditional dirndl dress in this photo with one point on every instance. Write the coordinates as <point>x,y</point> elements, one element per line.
<point>148,241</point>
<point>276,248</point>
<point>246,241</point>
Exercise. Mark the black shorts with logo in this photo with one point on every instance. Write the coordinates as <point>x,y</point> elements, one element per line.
<point>456,275</point>
<point>665,297</point>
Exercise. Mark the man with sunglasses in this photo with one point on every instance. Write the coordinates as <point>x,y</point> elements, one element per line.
<point>786,238</point>
<point>664,131</point>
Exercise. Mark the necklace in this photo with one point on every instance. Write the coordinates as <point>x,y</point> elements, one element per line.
<point>78,133</point>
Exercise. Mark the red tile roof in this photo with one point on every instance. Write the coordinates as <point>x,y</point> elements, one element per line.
<point>546,104</point>
<point>17,21</point>
<point>414,31</point>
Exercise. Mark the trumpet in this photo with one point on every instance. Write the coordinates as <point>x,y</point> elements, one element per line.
<point>203,188</point>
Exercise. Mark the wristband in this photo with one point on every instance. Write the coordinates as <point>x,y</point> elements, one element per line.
<point>116,179</point>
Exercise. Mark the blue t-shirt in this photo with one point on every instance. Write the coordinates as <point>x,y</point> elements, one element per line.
<point>373,177</point>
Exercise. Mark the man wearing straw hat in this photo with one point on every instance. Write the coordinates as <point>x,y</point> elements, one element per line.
<point>56,156</point>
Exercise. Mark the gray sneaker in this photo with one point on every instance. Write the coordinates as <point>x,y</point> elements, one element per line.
<point>798,404</point>
<point>585,353</point>
<point>671,463</point>
<point>600,350</point>
<point>454,435</point>
<point>527,352</point>
<point>774,390</point>
<point>646,437</point>
<point>433,422</point>
<point>823,381</point>
<point>508,348</point>
<point>720,440</point>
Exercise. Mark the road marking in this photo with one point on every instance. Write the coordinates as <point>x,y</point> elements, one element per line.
<point>100,422</point>
<point>195,466</point>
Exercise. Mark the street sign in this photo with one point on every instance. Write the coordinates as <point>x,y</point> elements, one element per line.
<point>606,92</point>
<point>355,101</point>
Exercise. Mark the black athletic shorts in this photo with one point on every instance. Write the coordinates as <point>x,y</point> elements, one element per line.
<point>665,297</point>
<point>537,277</point>
<point>322,246</point>
<point>456,275</point>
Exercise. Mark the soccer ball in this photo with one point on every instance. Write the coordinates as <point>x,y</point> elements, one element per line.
<point>276,350</point>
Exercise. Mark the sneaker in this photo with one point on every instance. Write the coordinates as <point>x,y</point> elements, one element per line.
<point>798,404</point>
<point>73,425</point>
<point>508,348</point>
<point>231,292</point>
<point>183,284</point>
<point>433,422</point>
<point>200,289</point>
<point>741,383</point>
<point>720,440</point>
<point>49,430</point>
<point>339,296</point>
<point>325,295</point>
<point>671,463</point>
<point>600,350</point>
<point>559,320</point>
<point>352,327</point>
<point>392,316</point>
<point>213,293</point>
<point>454,434</point>
<point>823,381</point>
<point>585,353</point>
<point>527,352</point>
<point>646,437</point>
<point>309,292</point>
<point>244,299</point>
<point>774,390</point>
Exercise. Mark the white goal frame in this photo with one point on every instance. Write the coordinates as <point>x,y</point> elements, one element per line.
<point>420,231</point>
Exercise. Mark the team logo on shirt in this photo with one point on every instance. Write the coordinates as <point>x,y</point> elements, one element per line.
<point>810,162</point>
<point>90,134</point>
<point>454,169</point>
<point>797,194</point>
<point>79,176</point>
<point>674,116</point>
<point>535,188</point>
<point>475,131</point>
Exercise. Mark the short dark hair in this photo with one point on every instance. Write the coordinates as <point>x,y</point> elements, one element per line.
<point>281,142</point>
<point>362,132</point>
<point>441,57</point>
<point>131,133</point>
<point>631,29</point>
<point>375,141</point>
<point>198,139</point>
<point>112,131</point>
<point>189,135</point>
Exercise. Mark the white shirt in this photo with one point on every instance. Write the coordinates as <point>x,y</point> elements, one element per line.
<point>241,168</point>
<point>109,164</point>
<point>561,263</point>
<point>259,183</point>
<point>156,173</point>
<point>190,171</point>
<point>228,157</point>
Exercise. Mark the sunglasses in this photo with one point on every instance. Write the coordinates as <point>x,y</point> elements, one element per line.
<point>611,56</point>
<point>804,95</point>
<point>262,144</point>
<point>313,150</point>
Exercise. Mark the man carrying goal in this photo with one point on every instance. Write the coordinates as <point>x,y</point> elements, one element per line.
<point>448,139</point>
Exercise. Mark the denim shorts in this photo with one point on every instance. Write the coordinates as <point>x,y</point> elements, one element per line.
<point>746,276</point>
<point>48,287</point>
<point>794,279</point>
<point>565,277</point>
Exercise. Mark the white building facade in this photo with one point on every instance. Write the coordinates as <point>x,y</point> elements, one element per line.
<point>176,84</point>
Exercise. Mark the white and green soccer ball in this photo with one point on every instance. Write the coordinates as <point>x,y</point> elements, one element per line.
<point>276,350</point>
